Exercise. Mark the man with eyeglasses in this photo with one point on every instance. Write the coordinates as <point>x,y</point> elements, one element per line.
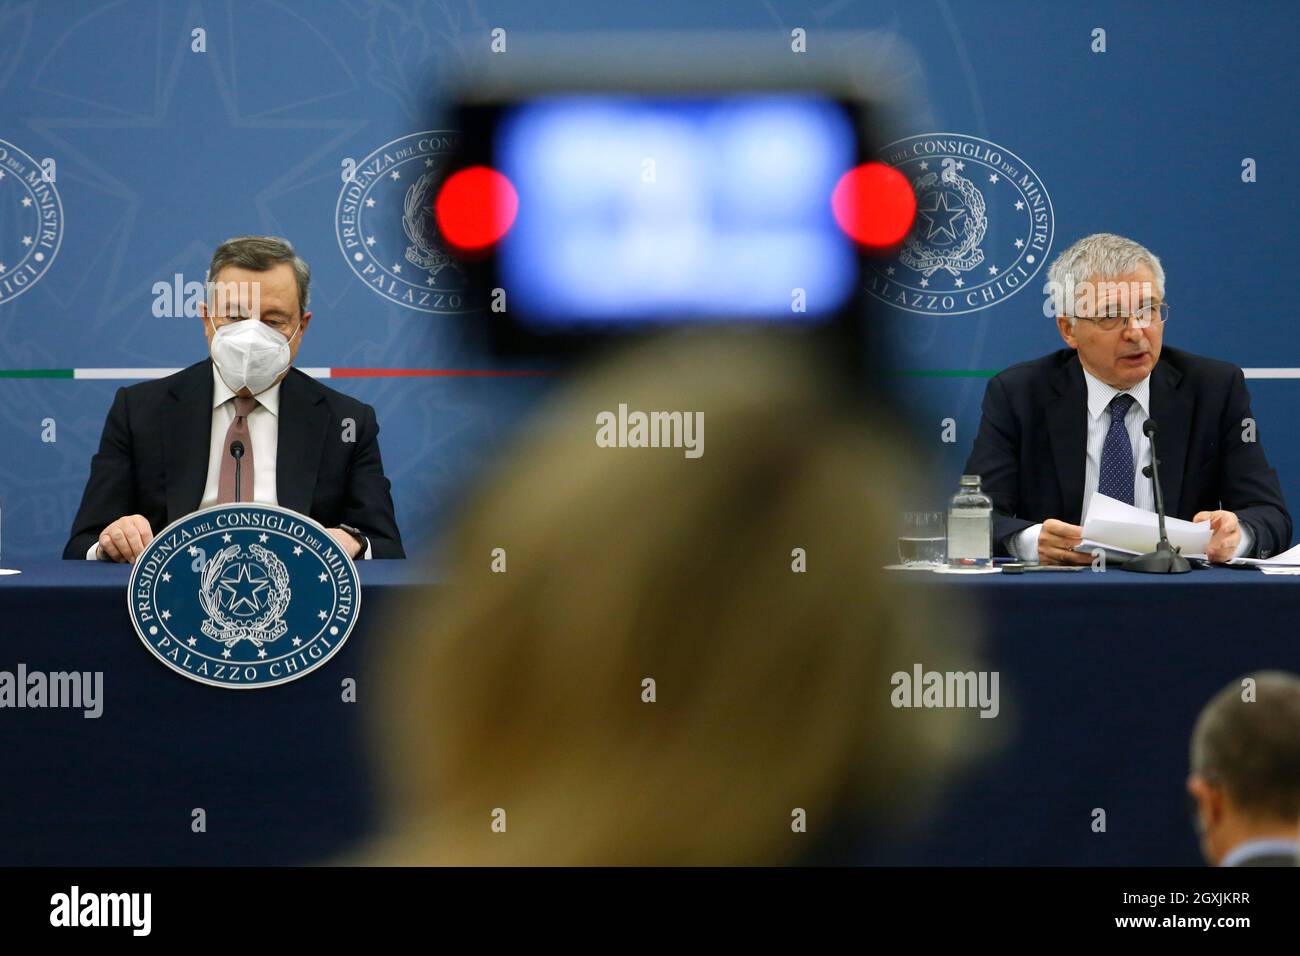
<point>1058,429</point>
<point>165,450</point>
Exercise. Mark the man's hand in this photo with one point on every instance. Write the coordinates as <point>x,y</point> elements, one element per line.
<point>1226,537</point>
<point>348,543</point>
<point>1056,542</point>
<point>124,539</point>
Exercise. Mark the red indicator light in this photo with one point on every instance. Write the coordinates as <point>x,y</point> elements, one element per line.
<point>475,208</point>
<point>875,205</point>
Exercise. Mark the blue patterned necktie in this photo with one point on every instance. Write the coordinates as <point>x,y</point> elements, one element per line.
<point>1116,478</point>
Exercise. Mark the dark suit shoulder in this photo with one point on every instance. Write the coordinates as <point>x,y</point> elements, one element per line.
<point>1034,371</point>
<point>1270,859</point>
<point>198,378</point>
<point>340,403</point>
<point>1200,369</point>
<point>151,390</point>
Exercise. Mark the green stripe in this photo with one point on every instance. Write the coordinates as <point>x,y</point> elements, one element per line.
<point>907,373</point>
<point>948,372</point>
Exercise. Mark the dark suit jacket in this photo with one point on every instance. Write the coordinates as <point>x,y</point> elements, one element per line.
<point>1032,446</point>
<point>1268,859</point>
<point>153,459</point>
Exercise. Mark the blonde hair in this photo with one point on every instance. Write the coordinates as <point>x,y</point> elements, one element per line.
<point>524,691</point>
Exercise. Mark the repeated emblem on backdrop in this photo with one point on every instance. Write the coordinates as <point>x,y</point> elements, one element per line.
<point>244,595</point>
<point>385,226</point>
<point>31,221</point>
<point>983,228</point>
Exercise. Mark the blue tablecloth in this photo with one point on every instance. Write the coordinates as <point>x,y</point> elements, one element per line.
<point>281,774</point>
<point>1101,678</point>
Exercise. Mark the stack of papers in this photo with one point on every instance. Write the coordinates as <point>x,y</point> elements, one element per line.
<point>1124,530</point>
<point>1277,563</point>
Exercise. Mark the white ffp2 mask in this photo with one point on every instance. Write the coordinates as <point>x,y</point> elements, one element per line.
<point>249,353</point>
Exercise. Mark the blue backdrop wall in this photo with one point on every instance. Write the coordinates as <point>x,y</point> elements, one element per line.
<point>161,152</point>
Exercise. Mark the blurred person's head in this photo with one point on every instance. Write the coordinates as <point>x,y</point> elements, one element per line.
<point>521,686</point>
<point>1245,765</point>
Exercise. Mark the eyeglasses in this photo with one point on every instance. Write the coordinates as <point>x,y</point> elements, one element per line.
<point>1156,315</point>
<point>282,325</point>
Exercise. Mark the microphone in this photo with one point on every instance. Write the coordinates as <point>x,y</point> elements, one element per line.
<point>237,452</point>
<point>1164,559</point>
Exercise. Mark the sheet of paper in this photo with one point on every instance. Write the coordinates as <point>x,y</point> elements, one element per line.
<point>1278,569</point>
<point>1285,559</point>
<point>1111,551</point>
<point>1124,528</point>
<point>1120,554</point>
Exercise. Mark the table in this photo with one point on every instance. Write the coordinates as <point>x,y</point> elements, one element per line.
<point>1101,679</point>
<point>281,773</point>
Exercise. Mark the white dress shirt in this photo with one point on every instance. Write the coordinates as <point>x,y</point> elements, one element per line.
<point>1261,847</point>
<point>1025,544</point>
<point>263,429</point>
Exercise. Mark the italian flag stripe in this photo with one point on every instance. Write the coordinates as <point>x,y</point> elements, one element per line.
<point>135,374</point>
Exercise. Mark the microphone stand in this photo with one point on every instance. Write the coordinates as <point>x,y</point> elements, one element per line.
<point>237,452</point>
<point>1165,559</point>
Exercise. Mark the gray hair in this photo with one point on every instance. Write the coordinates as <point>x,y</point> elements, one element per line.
<point>1104,255</point>
<point>260,253</point>
<point>1252,748</point>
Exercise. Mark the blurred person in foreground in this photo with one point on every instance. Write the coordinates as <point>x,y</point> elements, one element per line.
<point>520,696</point>
<point>1245,777</point>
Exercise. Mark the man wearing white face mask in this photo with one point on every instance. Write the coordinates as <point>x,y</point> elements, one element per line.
<point>165,451</point>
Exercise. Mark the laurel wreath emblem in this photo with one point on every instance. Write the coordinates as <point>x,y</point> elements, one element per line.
<point>424,251</point>
<point>916,255</point>
<point>267,627</point>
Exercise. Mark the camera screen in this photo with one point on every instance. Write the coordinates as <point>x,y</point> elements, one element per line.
<point>645,211</point>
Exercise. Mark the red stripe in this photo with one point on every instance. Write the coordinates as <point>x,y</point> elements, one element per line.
<point>435,373</point>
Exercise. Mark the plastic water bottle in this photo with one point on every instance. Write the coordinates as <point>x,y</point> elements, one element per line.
<point>970,525</point>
